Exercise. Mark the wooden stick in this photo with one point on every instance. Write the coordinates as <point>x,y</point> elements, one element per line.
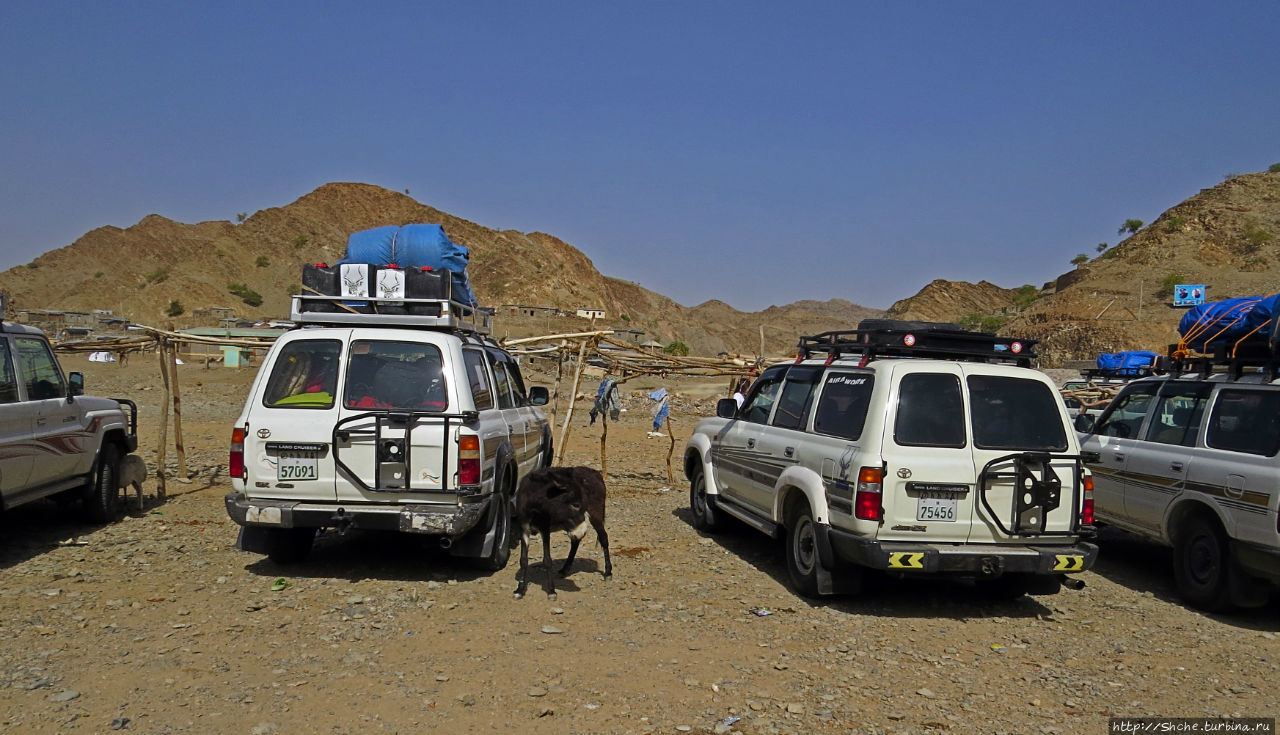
<point>573,397</point>
<point>162,445</point>
<point>604,459</point>
<point>670,450</point>
<point>177,411</point>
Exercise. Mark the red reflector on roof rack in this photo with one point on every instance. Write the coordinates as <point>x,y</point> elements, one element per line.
<point>909,340</point>
<point>1016,347</point>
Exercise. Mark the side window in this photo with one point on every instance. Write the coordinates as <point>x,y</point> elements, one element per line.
<point>39,369</point>
<point>759,404</point>
<point>1177,415</point>
<point>930,411</point>
<point>1124,416</point>
<point>506,398</point>
<point>842,407</point>
<point>1246,421</point>
<point>513,375</point>
<point>793,401</point>
<point>478,378</point>
<point>8,381</point>
<point>305,375</point>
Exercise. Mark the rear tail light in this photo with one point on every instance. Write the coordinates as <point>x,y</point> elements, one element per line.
<point>1086,512</point>
<point>866,502</point>
<point>235,463</point>
<point>469,460</point>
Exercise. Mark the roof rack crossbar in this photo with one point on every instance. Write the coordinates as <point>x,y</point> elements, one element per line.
<point>947,344</point>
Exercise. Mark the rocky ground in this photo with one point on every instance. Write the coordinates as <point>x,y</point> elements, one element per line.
<point>156,624</point>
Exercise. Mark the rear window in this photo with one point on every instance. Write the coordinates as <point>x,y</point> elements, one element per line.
<point>1014,414</point>
<point>1246,421</point>
<point>305,375</point>
<point>930,411</point>
<point>395,375</point>
<point>842,407</point>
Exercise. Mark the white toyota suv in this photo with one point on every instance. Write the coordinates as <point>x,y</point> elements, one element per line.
<point>1192,460</point>
<point>907,447</point>
<point>414,422</point>
<point>54,440</point>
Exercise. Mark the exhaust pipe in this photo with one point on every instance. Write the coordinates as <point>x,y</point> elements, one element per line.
<point>446,542</point>
<point>1074,583</point>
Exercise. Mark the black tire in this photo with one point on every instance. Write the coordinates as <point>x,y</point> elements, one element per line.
<point>289,545</point>
<point>703,506</point>
<point>500,511</point>
<point>1200,565</point>
<point>548,451</point>
<point>102,497</point>
<point>802,549</point>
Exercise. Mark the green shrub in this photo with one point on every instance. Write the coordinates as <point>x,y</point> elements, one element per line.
<point>1102,247</point>
<point>159,275</point>
<point>1257,236</point>
<point>98,274</point>
<point>300,241</point>
<point>1080,260</point>
<point>1175,223</point>
<point>1024,295</point>
<point>262,261</point>
<point>1130,226</point>
<point>677,348</point>
<point>175,308</point>
<point>246,294</point>
<point>1274,169</point>
<point>1168,282</point>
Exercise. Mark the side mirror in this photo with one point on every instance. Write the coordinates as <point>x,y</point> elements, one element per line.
<point>75,385</point>
<point>726,408</point>
<point>539,396</point>
<point>1084,423</point>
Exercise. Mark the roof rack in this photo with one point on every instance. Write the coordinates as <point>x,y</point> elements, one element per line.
<point>378,312</point>
<point>1232,360</point>
<point>919,340</point>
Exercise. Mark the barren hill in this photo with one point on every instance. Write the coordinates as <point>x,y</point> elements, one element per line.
<point>141,270</point>
<point>1227,236</point>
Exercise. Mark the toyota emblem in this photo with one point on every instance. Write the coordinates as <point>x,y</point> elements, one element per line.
<point>264,433</point>
<point>904,473</point>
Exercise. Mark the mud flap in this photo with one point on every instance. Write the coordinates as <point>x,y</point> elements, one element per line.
<point>847,582</point>
<point>253,539</point>
<point>478,542</point>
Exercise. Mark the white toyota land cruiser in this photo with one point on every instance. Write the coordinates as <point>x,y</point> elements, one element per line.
<point>912,448</point>
<point>54,440</point>
<point>410,421</point>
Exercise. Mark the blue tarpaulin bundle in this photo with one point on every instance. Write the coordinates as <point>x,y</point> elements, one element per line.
<point>413,246</point>
<point>1130,362</point>
<point>1206,326</point>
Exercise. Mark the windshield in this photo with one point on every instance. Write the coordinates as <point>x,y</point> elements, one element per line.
<point>1014,414</point>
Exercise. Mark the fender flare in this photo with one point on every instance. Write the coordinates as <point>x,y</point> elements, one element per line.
<point>799,480</point>
<point>1185,505</point>
<point>698,451</point>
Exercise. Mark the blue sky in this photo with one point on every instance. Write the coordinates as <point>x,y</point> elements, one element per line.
<point>754,152</point>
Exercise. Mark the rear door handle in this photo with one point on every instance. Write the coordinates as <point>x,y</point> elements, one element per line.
<point>1176,466</point>
<point>789,451</point>
<point>1119,456</point>
<point>751,444</point>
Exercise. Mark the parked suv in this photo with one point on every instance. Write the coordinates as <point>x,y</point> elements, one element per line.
<point>912,448</point>
<point>1190,460</point>
<point>54,440</point>
<point>401,422</point>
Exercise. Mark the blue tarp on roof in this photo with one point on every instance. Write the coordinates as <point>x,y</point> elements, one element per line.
<point>1205,326</point>
<point>413,246</point>
<point>1130,362</point>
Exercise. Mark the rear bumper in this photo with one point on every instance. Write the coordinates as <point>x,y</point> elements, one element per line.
<point>978,560</point>
<point>446,520</point>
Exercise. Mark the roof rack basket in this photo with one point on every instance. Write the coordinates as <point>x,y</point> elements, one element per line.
<point>1256,356</point>
<point>370,311</point>
<point>919,339</point>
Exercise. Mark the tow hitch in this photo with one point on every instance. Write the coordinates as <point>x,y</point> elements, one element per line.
<point>341,521</point>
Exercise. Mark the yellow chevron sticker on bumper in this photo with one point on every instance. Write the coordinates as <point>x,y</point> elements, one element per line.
<point>906,560</point>
<point>1068,563</point>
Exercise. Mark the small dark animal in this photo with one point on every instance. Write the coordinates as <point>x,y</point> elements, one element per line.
<point>559,499</point>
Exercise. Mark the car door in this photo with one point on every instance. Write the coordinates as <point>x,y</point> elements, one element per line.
<point>735,455</point>
<point>928,476</point>
<point>1159,468</point>
<point>1113,437</point>
<point>491,426</point>
<point>16,420</point>
<point>514,413</point>
<point>781,443</point>
<point>1241,443</point>
<point>57,432</point>
<point>530,418</point>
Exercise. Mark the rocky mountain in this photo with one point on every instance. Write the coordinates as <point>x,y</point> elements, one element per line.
<point>1227,237</point>
<point>142,272</point>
